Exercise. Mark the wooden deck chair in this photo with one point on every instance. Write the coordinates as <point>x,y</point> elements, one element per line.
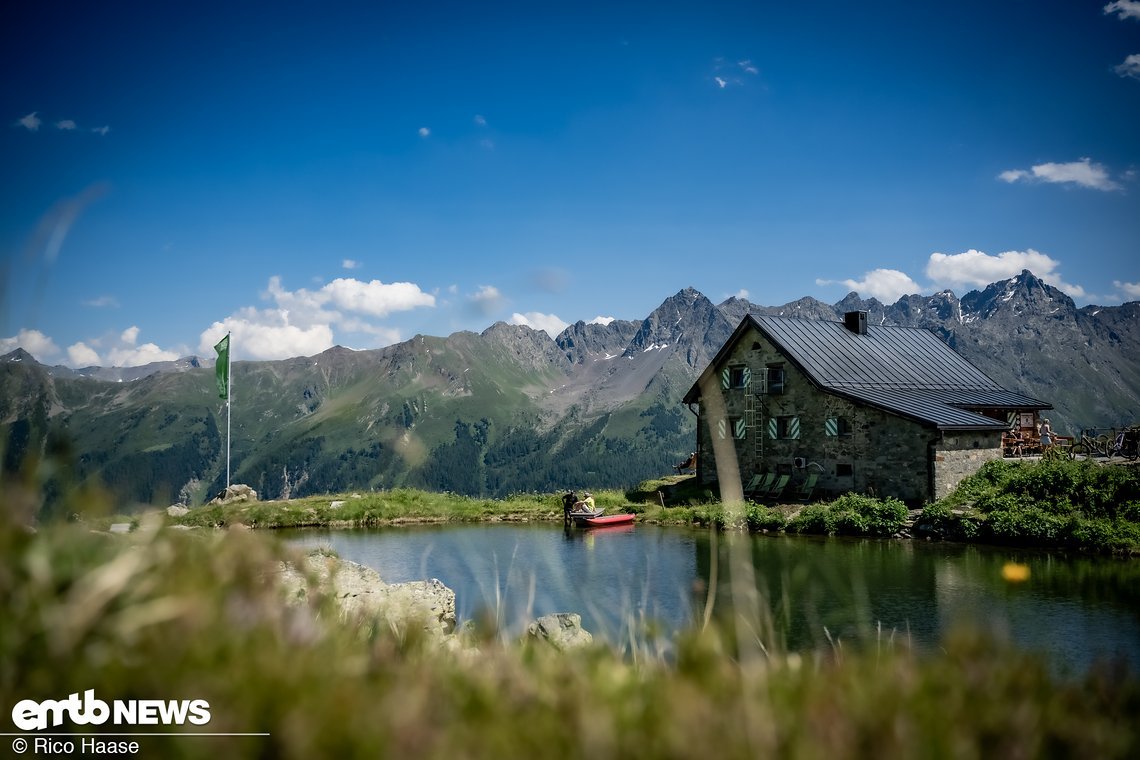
<point>804,492</point>
<point>777,489</point>
<point>759,485</point>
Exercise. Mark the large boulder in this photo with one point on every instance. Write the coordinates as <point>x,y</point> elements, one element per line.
<point>562,630</point>
<point>235,494</point>
<point>361,593</point>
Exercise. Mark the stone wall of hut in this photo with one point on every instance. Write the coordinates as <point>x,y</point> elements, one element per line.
<point>961,453</point>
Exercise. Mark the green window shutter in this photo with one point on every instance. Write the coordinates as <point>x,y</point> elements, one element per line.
<point>794,427</point>
<point>741,430</point>
<point>747,382</point>
<point>772,429</point>
<point>725,378</point>
<point>831,426</point>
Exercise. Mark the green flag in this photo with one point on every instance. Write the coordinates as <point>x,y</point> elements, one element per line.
<point>222,369</point>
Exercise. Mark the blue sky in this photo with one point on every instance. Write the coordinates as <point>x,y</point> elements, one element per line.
<point>356,174</point>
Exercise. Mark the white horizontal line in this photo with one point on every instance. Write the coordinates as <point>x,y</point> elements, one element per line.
<point>101,734</point>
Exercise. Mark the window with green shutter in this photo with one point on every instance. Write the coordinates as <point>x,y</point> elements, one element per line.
<point>784,427</point>
<point>836,427</point>
<point>736,377</point>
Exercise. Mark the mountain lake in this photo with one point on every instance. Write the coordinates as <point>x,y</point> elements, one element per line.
<point>813,592</point>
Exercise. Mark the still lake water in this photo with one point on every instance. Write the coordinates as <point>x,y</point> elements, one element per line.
<point>1074,609</point>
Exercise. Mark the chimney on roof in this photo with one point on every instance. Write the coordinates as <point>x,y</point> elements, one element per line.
<point>856,322</point>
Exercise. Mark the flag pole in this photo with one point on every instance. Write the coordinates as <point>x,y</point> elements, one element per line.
<point>229,401</point>
<point>223,380</point>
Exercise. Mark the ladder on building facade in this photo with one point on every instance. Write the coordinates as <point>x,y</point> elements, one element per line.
<point>754,415</point>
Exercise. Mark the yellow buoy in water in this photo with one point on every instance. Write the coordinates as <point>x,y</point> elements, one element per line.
<point>1015,572</point>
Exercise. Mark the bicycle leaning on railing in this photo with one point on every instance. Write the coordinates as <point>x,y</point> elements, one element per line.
<point>1125,444</point>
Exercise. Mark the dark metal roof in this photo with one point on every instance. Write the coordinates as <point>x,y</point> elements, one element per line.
<point>888,357</point>
<point>904,370</point>
<point>939,407</point>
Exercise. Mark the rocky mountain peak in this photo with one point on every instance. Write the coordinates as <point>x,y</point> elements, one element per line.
<point>19,355</point>
<point>686,322</point>
<point>585,339</point>
<point>852,302</point>
<point>527,345</point>
<point>930,312</point>
<point>803,308</point>
<point>1020,296</point>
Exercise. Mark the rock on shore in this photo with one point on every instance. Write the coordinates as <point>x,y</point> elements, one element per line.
<point>429,606</point>
<point>562,630</point>
<point>361,592</point>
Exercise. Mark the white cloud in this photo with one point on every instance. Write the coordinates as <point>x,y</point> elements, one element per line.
<point>31,122</point>
<point>1083,172</point>
<point>125,351</point>
<point>480,121</point>
<point>375,298</point>
<point>887,285</point>
<point>742,293</point>
<point>1124,9</point>
<point>128,354</point>
<point>350,264</point>
<point>599,320</point>
<point>1130,67</point>
<point>102,302</point>
<point>424,131</point>
<point>372,298</point>
<point>1013,175</point>
<point>101,131</point>
<point>1129,289</point>
<point>487,300</point>
<point>302,322</point>
<point>551,323</point>
<point>385,336</point>
<point>34,342</point>
<point>66,125</point>
<point>976,269</point>
<point>136,356</point>
<point>82,355</point>
<point>266,334</point>
<point>720,82</point>
<point>748,67</point>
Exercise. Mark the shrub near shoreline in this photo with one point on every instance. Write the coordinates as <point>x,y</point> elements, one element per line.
<point>1047,504</point>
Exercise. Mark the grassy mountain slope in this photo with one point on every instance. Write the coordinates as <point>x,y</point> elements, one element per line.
<point>508,410</point>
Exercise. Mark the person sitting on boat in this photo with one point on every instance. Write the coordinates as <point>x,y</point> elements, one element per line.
<point>586,504</point>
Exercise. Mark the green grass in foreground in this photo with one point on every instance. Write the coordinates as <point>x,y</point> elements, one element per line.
<point>167,614</point>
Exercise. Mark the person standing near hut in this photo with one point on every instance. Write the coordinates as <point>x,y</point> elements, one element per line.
<point>1046,434</point>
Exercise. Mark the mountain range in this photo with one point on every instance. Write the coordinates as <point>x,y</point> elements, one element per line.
<point>510,409</point>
